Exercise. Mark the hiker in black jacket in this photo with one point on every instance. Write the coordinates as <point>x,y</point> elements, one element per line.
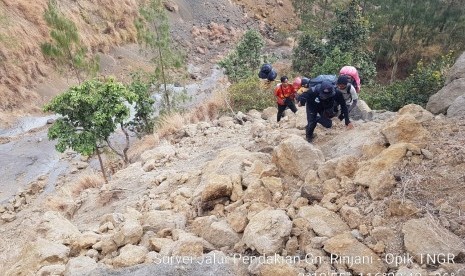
<point>322,102</point>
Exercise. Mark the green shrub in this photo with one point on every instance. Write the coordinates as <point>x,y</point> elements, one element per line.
<point>333,62</point>
<point>336,59</point>
<point>250,94</point>
<point>416,89</point>
<point>245,60</point>
<point>306,53</point>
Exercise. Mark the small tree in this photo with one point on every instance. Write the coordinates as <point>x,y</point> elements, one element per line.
<point>308,51</point>
<point>66,49</point>
<point>90,113</point>
<point>143,121</point>
<point>153,30</point>
<point>246,58</point>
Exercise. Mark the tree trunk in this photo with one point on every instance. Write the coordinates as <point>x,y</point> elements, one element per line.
<point>124,153</point>
<point>162,67</point>
<point>101,163</point>
<point>126,148</point>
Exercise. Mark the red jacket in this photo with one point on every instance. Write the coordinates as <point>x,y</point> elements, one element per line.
<point>282,93</point>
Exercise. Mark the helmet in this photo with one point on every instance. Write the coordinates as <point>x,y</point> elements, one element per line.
<point>305,82</point>
<point>297,83</point>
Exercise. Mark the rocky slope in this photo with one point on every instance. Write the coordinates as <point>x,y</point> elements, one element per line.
<point>252,197</point>
<point>240,195</point>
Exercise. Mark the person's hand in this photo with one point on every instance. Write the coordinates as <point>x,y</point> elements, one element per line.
<point>299,104</point>
<point>350,126</point>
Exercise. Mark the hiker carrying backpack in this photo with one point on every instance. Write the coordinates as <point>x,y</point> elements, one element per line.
<point>348,92</point>
<point>352,74</point>
<point>314,83</point>
<point>285,95</point>
<point>322,103</point>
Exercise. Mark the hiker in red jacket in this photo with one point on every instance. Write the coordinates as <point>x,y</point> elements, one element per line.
<point>285,96</point>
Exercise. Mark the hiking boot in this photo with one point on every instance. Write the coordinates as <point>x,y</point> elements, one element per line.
<point>310,139</point>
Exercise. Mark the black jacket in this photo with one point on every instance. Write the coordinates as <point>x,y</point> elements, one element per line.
<point>314,104</point>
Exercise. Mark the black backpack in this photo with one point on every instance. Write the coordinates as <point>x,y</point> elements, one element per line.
<point>267,72</point>
<point>319,79</point>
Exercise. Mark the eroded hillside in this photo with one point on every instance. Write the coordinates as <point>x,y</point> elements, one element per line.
<point>23,29</point>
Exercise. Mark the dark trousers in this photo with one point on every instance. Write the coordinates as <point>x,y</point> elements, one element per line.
<point>287,103</point>
<point>314,117</point>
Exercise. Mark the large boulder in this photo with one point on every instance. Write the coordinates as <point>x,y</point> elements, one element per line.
<point>457,108</point>
<point>267,231</point>
<point>301,118</point>
<point>81,265</point>
<point>361,111</point>
<point>269,113</point>
<point>218,232</point>
<point>440,102</point>
<point>376,173</point>
<point>40,253</point>
<point>324,222</point>
<point>130,233</point>
<point>457,71</point>
<point>159,153</point>
<point>407,129</point>
<point>216,186</point>
<point>423,238</point>
<point>348,251</point>
<point>159,220</point>
<point>454,88</point>
<point>296,156</point>
<point>365,137</point>
<point>421,115</point>
<point>57,228</point>
<point>130,255</point>
<point>229,163</point>
<point>187,244</point>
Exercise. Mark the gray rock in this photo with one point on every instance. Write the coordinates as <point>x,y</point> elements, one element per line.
<point>323,221</point>
<point>457,108</point>
<point>217,232</point>
<point>428,154</point>
<point>346,246</point>
<point>440,102</point>
<point>267,231</point>
<point>81,265</point>
<point>457,71</point>
<point>159,220</point>
<point>361,112</point>
<point>423,237</point>
<point>296,156</point>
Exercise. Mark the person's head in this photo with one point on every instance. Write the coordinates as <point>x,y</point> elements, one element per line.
<point>297,83</point>
<point>305,82</point>
<point>326,90</point>
<point>342,82</point>
<point>284,81</point>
